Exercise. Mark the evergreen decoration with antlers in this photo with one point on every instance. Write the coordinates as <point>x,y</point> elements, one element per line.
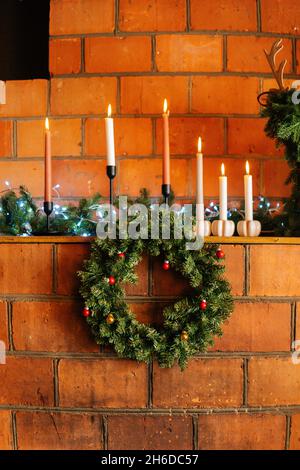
<point>283,125</point>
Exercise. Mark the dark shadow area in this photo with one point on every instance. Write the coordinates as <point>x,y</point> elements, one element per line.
<point>24,39</point>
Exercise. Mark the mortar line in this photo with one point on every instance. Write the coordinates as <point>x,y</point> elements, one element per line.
<point>82,150</point>
<point>267,410</point>
<point>14,430</point>
<point>15,140</point>
<point>188,16</point>
<point>150,384</point>
<point>293,323</point>
<point>294,55</point>
<point>153,54</point>
<point>245,381</point>
<point>117,15</point>
<point>56,382</point>
<point>9,310</point>
<point>153,125</point>
<point>225,135</point>
<point>288,428</point>
<point>118,96</point>
<point>48,107</point>
<point>190,94</point>
<point>195,432</point>
<point>82,55</point>
<point>105,432</point>
<point>258,16</point>
<point>225,49</point>
<point>247,270</point>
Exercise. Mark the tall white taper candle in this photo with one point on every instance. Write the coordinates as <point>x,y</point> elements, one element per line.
<point>110,140</point>
<point>248,194</point>
<point>223,193</point>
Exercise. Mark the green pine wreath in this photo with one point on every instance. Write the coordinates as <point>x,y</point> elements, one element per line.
<point>189,325</point>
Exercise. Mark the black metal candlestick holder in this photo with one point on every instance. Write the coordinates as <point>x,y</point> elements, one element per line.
<point>111,171</point>
<point>166,191</point>
<point>48,209</point>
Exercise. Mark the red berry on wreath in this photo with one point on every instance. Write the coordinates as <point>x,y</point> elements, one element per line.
<point>111,280</point>
<point>203,304</point>
<point>86,312</point>
<point>166,265</point>
<point>121,255</point>
<point>220,254</point>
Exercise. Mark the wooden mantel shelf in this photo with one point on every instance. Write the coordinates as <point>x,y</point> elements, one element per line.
<point>219,240</point>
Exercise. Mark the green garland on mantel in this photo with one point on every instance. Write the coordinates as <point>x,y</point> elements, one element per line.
<point>189,325</point>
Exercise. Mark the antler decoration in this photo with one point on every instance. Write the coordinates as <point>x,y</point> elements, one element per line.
<point>271,57</point>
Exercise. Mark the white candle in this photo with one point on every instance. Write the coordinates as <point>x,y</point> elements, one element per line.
<point>223,193</point>
<point>2,93</point>
<point>248,194</point>
<point>199,189</point>
<point>110,140</point>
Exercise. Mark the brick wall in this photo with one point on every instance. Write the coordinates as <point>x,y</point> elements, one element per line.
<point>206,57</point>
<point>59,391</point>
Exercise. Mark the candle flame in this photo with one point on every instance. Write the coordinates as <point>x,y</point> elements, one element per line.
<point>47,124</point>
<point>165,106</point>
<point>109,111</point>
<point>223,169</point>
<point>247,168</point>
<point>199,145</point>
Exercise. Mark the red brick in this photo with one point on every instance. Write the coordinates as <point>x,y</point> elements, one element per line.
<point>274,176</point>
<point>280,17</point>
<point>204,383</point>
<point>65,138</point>
<point>184,133</point>
<point>34,276</point>
<point>234,267</point>
<point>6,138</point>
<point>144,95</point>
<point>136,169</point>
<point>118,54</point>
<point>141,287</point>
<point>59,431</point>
<point>225,95</point>
<point>268,83</point>
<point>149,433</point>
<point>295,433</point>
<point>70,259</point>
<point>257,327</point>
<point>5,431</point>
<point>29,174</point>
<point>254,60</point>
<point>81,16</point>
<point>26,381</point>
<point>3,324</point>
<point>169,283</point>
<point>64,56</point>
<point>84,95</point>
<point>25,98</point>
<point>132,137</point>
<point>149,313</point>
<point>150,15</point>
<point>235,169</point>
<point>273,270</point>
<point>103,383</point>
<point>225,15</point>
<point>176,53</point>
<point>273,381</point>
<point>80,178</point>
<point>247,137</point>
<point>242,432</point>
<point>66,328</point>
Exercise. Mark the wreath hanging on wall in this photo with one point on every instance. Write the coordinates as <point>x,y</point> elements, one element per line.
<point>189,325</point>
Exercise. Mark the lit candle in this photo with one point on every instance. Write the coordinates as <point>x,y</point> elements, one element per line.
<point>110,140</point>
<point>48,165</point>
<point>200,196</point>
<point>248,194</point>
<point>223,193</point>
<point>166,154</point>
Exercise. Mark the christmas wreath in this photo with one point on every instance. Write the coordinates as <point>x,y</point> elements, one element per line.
<point>189,325</point>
